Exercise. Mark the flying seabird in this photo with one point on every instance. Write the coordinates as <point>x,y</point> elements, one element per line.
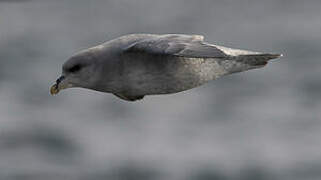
<point>137,65</point>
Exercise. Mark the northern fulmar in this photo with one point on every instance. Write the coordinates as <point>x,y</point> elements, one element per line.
<point>136,65</point>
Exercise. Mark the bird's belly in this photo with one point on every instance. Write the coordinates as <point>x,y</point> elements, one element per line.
<point>172,75</point>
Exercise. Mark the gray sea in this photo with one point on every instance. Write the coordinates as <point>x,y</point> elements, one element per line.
<point>263,124</point>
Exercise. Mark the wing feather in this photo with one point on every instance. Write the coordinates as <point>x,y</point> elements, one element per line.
<point>191,46</point>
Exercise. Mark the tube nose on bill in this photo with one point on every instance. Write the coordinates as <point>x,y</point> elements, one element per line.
<point>55,88</point>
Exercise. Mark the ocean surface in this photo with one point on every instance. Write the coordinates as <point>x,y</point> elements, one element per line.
<point>262,124</point>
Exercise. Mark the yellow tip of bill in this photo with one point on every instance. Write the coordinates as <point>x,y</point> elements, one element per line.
<point>54,89</point>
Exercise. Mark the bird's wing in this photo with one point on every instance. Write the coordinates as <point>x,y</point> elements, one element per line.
<point>191,46</point>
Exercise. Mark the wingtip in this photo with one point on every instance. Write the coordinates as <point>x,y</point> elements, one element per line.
<point>274,56</point>
<point>267,56</point>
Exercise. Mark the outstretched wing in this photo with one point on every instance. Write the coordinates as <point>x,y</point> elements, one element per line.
<point>191,46</point>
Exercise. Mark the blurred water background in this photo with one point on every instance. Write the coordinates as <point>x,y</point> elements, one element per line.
<point>259,125</point>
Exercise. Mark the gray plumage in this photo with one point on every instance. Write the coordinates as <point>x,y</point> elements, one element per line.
<point>136,65</point>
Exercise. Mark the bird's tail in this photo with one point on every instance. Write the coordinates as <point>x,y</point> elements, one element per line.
<point>246,62</point>
<point>257,59</point>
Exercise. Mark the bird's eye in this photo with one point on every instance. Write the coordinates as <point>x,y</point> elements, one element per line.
<point>75,68</point>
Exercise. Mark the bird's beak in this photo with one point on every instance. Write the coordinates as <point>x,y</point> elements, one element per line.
<point>60,84</point>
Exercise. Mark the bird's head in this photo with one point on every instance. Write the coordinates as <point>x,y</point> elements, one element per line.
<point>78,71</point>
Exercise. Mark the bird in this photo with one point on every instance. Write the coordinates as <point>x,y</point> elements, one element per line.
<point>136,65</point>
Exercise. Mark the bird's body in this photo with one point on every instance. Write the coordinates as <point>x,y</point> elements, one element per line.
<point>136,65</point>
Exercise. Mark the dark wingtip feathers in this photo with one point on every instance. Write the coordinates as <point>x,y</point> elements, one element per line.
<point>266,56</point>
<point>259,59</point>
